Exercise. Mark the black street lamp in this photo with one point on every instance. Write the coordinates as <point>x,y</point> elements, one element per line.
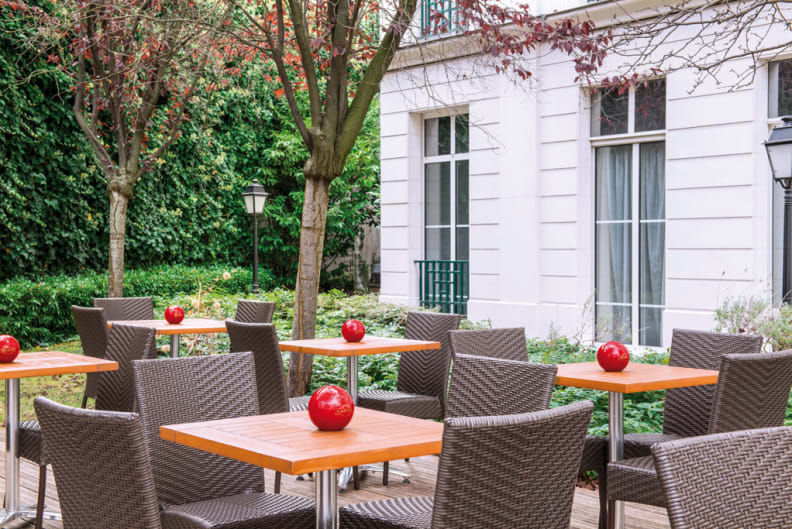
<point>255,196</point>
<point>779,152</point>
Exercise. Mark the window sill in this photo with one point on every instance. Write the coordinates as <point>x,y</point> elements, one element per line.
<point>637,137</point>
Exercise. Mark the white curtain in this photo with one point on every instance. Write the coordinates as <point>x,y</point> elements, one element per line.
<point>652,275</point>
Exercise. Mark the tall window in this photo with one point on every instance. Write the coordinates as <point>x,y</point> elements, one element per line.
<point>628,139</point>
<point>446,198</point>
<point>780,89</point>
<point>779,104</point>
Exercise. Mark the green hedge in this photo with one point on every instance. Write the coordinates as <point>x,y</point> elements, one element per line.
<point>38,312</point>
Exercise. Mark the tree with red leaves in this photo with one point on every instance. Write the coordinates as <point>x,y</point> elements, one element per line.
<point>338,51</point>
<point>134,65</point>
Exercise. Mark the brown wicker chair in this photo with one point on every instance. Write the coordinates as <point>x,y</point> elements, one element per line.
<point>91,326</point>
<point>254,311</point>
<point>752,392</point>
<point>213,491</point>
<point>262,340</point>
<point>737,480</point>
<point>498,343</point>
<point>101,467</point>
<point>115,393</point>
<point>482,386</point>
<point>525,467</point>
<point>126,308</point>
<point>687,410</point>
<point>423,375</point>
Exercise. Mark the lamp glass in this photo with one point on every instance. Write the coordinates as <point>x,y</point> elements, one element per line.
<point>249,204</point>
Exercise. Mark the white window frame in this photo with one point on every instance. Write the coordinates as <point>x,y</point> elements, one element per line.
<point>635,139</point>
<point>452,158</point>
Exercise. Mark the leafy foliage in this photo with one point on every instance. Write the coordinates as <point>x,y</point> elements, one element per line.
<point>756,315</point>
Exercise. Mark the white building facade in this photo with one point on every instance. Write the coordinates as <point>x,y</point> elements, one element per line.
<point>548,206</point>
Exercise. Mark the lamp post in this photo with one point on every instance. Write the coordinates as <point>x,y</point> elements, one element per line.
<point>779,152</point>
<point>255,196</point>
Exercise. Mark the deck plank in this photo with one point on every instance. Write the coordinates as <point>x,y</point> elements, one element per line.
<point>423,470</point>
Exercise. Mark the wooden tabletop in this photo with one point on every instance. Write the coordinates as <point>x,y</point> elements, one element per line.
<point>290,443</point>
<point>48,363</point>
<point>369,345</point>
<point>635,378</point>
<point>191,326</point>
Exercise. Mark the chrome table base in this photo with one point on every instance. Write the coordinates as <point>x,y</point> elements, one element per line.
<point>615,452</point>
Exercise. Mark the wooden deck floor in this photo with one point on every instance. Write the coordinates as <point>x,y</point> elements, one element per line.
<point>423,470</point>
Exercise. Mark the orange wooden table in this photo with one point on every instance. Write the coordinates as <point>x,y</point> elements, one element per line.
<point>290,443</point>
<point>187,326</point>
<point>27,365</point>
<point>635,378</point>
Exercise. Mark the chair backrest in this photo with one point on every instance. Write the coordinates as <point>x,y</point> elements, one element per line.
<point>734,480</point>
<point>116,391</point>
<point>101,467</point>
<point>752,391</point>
<point>497,343</point>
<point>249,311</point>
<point>193,389</point>
<point>262,340</point>
<point>426,372</point>
<point>483,386</point>
<point>531,462</point>
<point>687,410</point>
<point>126,308</point>
<point>91,325</point>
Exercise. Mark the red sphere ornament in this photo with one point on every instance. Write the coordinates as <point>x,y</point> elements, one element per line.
<point>353,331</point>
<point>331,408</point>
<point>174,314</point>
<point>9,348</point>
<point>613,356</point>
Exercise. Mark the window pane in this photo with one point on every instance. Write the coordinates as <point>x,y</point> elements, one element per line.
<point>613,323</point>
<point>650,106</point>
<point>609,113</point>
<point>784,89</point>
<point>462,133</point>
<point>652,167</point>
<point>614,186</point>
<point>614,263</point>
<point>437,136</point>
<point>462,194</point>
<point>438,243</point>
<point>437,189</point>
<point>462,244</point>
<point>652,275</point>
<point>651,327</point>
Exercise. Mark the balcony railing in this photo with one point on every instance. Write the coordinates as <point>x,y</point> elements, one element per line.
<point>439,17</point>
<point>444,285</point>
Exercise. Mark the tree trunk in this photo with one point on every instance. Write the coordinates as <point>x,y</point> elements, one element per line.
<point>312,234</point>
<point>118,215</point>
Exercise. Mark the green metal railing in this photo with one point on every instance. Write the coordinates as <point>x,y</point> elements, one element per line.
<point>439,17</point>
<point>444,284</point>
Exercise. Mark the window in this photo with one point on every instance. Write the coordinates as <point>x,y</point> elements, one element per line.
<point>630,216</point>
<point>780,89</point>
<point>439,17</point>
<point>446,198</point>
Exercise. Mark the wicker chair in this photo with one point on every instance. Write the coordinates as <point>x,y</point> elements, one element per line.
<point>483,386</point>
<point>254,311</point>
<point>115,393</point>
<point>262,340</point>
<point>101,467</point>
<point>126,308</point>
<point>526,465</point>
<point>757,465</point>
<point>687,410</point>
<point>497,343</point>
<point>91,325</point>
<point>213,491</point>
<point>752,392</point>
<point>423,375</point>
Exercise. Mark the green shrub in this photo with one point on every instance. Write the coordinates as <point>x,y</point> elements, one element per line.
<point>38,312</point>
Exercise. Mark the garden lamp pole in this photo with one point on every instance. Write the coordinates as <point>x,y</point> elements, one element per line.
<point>255,197</point>
<point>779,152</point>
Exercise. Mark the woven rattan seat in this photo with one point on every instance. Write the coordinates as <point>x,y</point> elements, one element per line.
<point>401,403</point>
<point>299,403</point>
<point>260,511</point>
<point>399,513</point>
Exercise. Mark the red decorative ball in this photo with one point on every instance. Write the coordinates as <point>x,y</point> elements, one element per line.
<point>353,331</point>
<point>174,314</point>
<point>9,349</point>
<point>613,356</point>
<point>331,408</point>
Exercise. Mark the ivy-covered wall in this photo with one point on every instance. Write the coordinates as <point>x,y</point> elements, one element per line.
<point>53,204</point>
